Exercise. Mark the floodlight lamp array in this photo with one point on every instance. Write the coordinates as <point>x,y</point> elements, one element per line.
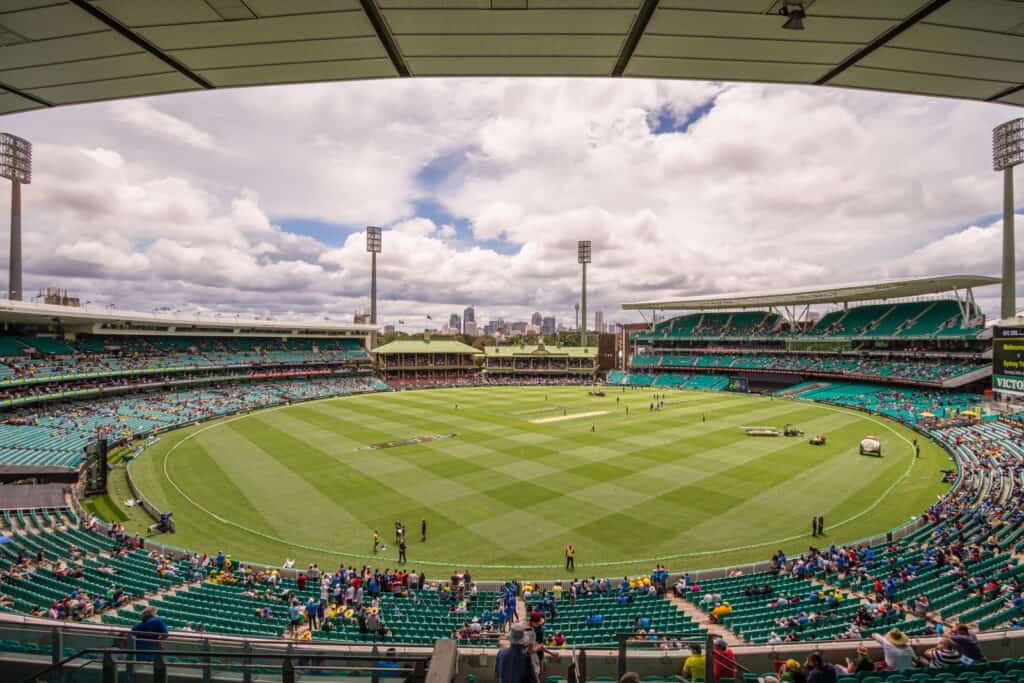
<point>373,240</point>
<point>1008,145</point>
<point>583,251</point>
<point>15,158</point>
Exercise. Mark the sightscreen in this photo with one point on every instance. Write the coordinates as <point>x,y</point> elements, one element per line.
<point>96,468</point>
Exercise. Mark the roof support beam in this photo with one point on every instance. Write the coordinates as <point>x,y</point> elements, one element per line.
<point>881,40</point>
<point>380,27</point>
<point>27,96</point>
<point>128,34</point>
<point>636,32</point>
<point>1012,90</point>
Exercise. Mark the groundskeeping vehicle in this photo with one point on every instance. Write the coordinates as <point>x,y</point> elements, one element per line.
<point>870,445</point>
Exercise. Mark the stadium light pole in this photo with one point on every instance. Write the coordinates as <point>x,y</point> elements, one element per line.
<point>16,166</point>
<point>373,246</point>
<point>583,257</point>
<point>1007,152</point>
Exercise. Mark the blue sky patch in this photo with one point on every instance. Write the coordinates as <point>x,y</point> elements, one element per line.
<point>666,122</point>
<point>331,234</point>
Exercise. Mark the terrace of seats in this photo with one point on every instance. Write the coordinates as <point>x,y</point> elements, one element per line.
<point>753,616</point>
<point>928,319</point>
<point>912,406</point>
<point>55,434</point>
<point>616,618</point>
<point>53,534</point>
<point>925,371</point>
<point>32,360</point>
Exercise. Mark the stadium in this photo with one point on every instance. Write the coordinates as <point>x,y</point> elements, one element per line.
<point>820,482</point>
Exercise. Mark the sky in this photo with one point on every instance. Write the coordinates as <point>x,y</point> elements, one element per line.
<point>255,200</point>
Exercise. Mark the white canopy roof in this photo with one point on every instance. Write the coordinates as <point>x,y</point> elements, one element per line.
<point>56,52</point>
<point>819,294</point>
<point>114,321</point>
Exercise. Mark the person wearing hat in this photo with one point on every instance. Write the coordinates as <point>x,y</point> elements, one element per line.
<point>149,631</point>
<point>512,665</point>
<point>724,661</point>
<point>792,672</point>
<point>899,655</point>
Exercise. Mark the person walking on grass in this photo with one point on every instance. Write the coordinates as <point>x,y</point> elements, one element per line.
<point>423,530</point>
<point>401,551</point>
<point>376,541</point>
<point>570,557</point>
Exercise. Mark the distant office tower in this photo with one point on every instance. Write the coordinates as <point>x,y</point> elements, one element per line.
<point>469,327</point>
<point>468,316</point>
<point>547,326</point>
<point>599,322</point>
<point>455,322</point>
<point>536,320</point>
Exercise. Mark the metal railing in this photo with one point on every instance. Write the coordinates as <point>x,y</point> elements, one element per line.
<point>290,663</point>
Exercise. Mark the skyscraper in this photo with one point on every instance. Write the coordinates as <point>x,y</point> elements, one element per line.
<point>599,322</point>
<point>547,326</point>
<point>455,322</point>
<point>536,319</point>
<point>468,316</point>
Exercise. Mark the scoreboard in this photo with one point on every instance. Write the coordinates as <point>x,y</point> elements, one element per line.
<point>1008,360</point>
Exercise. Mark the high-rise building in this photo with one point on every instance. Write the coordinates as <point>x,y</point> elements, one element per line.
<point>547,325</point>
<point>455,322</point>
<point>536,319</point>
<point>468,316</point>
<point>599,322</point>
<point>469,327</point>
<point>389,329</point>
<point>517,328</point>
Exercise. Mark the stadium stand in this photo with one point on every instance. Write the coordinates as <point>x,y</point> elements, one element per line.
<point>907,320</point>
<point>55,434</point>
<point>919,371</point>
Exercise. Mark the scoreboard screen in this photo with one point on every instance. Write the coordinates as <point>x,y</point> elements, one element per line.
<point>1008,360</point>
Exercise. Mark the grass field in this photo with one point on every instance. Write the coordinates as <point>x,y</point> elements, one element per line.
<point>505,494</point>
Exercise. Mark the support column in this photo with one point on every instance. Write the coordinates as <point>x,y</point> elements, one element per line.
<point>373,297</point>
<point>583,329</point>
<point>1009,303</point>
<point>14,291</point>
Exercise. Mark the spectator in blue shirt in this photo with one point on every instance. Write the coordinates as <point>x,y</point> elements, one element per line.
<point>149,632</point>
<point>513,663</point>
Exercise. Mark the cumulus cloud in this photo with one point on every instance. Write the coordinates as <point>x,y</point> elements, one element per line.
<point>484,186</point>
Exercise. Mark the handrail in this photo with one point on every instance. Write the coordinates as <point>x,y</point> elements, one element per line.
<point>419,661</point>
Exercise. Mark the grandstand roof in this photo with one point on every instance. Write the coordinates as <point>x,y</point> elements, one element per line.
<point>112,321</point>
<point>425,346</point>
<point>541,350</point>
<point>56,52</point>
<point>844,293</point>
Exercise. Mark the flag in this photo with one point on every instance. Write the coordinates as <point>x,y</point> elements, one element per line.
<point>429,318</point>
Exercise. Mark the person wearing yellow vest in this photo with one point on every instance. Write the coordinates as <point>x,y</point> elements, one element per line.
<point>570,557</point>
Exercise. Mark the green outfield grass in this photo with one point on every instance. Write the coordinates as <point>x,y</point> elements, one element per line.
<point>505,494</point>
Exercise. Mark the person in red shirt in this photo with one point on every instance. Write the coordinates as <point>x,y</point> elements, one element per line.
<point>724,661</point>
<point>301,580</point>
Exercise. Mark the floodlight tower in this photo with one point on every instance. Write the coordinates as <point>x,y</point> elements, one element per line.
<point>583,258</point>
<point>373,246</point>
<point>1007,152</point>
<point>16,166</point>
